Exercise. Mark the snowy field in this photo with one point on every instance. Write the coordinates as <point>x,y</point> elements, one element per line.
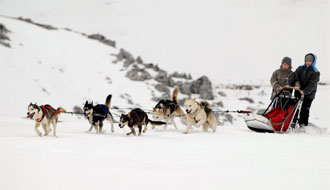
<point>232,158</point>
<point>65,69</point>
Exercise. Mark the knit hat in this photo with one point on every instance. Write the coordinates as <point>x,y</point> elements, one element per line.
<point>287,60</point>
<point>309,58</point>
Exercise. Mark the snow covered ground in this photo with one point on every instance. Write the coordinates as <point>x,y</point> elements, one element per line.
<point>232,158</point>
<point>65,69</point>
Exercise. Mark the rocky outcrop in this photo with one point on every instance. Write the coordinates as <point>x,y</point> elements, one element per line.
<point>125,56</point>
<point>45,26</point>
<point>152,66</point>
<point>162,88</point>
<point>201,86</point>
<point>163,78</point>
<point>250,100</point>
<point>181,75</point>
<point>4,39</point>
<point>139,60</point>
<point>138,74</point>
<point>102,39</point>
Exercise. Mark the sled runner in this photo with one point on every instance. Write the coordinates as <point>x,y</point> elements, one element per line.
<point>282,114</point>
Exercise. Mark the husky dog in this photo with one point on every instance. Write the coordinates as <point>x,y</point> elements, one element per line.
<point>168,109</point>
<point>137,118</point>
<point>97,114</point>
<point>44,115</point>
<point>199,113</point>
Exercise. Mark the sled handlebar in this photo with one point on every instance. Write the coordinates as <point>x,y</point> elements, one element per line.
<point>293,88</point>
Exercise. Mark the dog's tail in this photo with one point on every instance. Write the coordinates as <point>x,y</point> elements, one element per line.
<point>175,94</point>
<point>156,123</point>
<point>108,100</point>
<point>59,110</point>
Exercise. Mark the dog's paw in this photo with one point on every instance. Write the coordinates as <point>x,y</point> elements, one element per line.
<point>128,134</point>
<point>45,134</point>
<point>113,130</point>
<point>185,132</point>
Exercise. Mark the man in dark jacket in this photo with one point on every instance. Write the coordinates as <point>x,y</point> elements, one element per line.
<point>280,76</point>
<point>308,76</point>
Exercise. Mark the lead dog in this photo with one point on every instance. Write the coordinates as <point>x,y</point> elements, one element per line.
<point>135,119</point>
<point>44,115</point>
<point>168,109</point>
<point>97,114</point>
<point>199,113</point>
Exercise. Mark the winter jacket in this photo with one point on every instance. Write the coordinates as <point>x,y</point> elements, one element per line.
<point>308,78</point>
<point>279,79</point>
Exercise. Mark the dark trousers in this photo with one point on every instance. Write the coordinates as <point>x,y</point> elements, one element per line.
<point>304,113</point>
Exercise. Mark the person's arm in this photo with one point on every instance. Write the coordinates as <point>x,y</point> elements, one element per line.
<point>296,83</point>
<point>293,78</point>
<point>274,82</point>
<point>312,84</point>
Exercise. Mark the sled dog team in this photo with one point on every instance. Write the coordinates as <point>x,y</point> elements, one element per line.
<point>196,114</point>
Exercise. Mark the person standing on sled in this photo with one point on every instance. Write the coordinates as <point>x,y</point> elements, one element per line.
<point>308,77</point>
<point>280,76</point>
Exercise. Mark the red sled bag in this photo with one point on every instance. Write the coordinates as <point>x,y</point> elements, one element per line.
<point>280,119</point>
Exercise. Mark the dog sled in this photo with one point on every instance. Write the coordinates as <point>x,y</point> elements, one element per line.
<point>280,116</point>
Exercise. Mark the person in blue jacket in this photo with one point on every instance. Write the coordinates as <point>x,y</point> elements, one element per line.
<point>308,76</point>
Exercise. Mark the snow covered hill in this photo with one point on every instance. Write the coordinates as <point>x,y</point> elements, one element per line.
<point>216,37</point>
<point>65,68</point>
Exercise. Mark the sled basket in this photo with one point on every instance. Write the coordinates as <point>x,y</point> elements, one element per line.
<point>281,114</point>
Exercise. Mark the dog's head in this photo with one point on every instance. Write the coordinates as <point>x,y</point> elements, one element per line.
<point>190,105</point>
<point>33,109</point>
<point>157,114</point>
<point>124,119</point>
<point>88,108</point>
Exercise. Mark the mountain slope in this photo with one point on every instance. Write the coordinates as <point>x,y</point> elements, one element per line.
<point>62,68</point>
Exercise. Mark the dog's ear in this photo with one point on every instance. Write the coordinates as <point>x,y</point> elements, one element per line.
<point>86,102</point>
<point>153,109</point>
<point>194,99</point>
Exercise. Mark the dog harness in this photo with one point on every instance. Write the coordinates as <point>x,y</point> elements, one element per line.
<point>43,108</point>
<point>100,110</point>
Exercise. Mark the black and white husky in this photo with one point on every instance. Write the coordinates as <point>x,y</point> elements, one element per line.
<point>168,109</point>
<point>98,113</point>
<point>44,115</point>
